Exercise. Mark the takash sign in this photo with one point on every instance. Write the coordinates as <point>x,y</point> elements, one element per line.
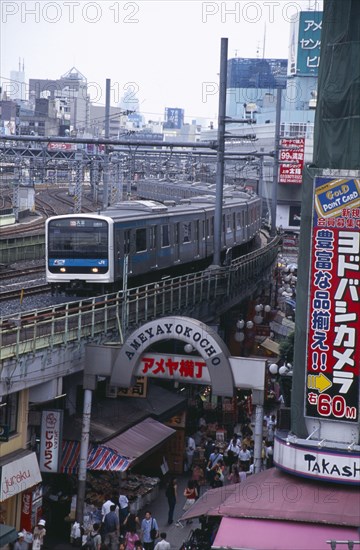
<point>325,464</point>
<point>202,338</point>
<point>50,442</point>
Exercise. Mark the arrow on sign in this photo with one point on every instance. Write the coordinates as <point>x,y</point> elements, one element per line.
<point>318,382</point>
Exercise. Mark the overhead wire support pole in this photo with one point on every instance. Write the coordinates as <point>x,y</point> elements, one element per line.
<point>107,136</point>
<point>220,152</point>
<point>276,162</point>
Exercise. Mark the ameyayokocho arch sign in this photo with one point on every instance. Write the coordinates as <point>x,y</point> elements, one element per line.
<point>190,331</point>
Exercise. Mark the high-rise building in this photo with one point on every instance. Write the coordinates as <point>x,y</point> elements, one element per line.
<point>16,87</point>
<point>71,86</point>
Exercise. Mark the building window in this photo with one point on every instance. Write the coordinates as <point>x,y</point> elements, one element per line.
<point>9,411</point>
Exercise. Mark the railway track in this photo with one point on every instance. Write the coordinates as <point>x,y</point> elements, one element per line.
<point>15,273</point>
<point>18,294</point>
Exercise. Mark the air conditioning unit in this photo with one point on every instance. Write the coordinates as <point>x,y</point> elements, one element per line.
<point>111,391</point>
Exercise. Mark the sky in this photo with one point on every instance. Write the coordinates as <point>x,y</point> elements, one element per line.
<point>164,53</point>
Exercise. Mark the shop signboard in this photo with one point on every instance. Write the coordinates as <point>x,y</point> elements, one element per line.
<point>138,390</point>
<point>291,160</point>
<point>51,440</point>
<point>313,462</point>
<point>305,43</point>
<point>333,350</point>
<point>19,475</point>
<point>31,508</point>
<point>184,368</point>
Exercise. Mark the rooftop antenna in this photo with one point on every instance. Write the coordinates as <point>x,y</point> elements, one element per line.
<point>264,41</point>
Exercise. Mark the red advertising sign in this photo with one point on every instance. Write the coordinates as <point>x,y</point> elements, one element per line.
<point>31,507</point>
<point>187,368</point>
<point>58,146</point>
<point>333,351</point>
<point>291,161</point>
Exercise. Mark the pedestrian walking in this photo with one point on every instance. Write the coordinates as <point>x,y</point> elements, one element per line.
<point>105,509</point>
<point>244,458</point>
<point>111,528</point>
<point>149,531</point>
<point>132,523</point>
<point>163,544</point>
<point>39,534</point>
<point>123,511</point>
<point>190,449</point>
<point>130,538</point>
<point>20,544</point>
<point>93,540</point>
<point>171,495</point>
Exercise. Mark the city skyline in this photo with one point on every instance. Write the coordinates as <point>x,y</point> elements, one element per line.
<point>164,54</point>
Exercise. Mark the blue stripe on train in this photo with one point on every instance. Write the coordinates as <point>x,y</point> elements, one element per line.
<point>76,262</point>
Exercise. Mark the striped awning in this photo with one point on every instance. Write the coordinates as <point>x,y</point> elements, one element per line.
<point>100,457</point>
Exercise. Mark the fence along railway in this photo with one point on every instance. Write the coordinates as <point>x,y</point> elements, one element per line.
<point>204,294</point>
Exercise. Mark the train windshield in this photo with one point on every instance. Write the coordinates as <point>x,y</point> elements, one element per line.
<point>78,238</point>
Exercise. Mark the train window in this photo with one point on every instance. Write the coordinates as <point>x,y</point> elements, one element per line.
<point>186,232</point>
<point>165,240</point>
<point>212,227</point>
<point>228,223</point>
<point>140,240</point>
<point>238,220</point>
<point>203,229</point>
<point>234,221</point>
<point>223,223</point>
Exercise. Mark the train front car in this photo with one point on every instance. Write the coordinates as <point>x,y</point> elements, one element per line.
<point>79,252</point>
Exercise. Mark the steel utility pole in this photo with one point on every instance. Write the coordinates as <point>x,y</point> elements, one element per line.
<point>276,162</point>
<point>220,152</point>
<point>106,156</point>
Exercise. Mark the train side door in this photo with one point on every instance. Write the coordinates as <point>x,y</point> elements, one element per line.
<point>127,247</point>
<point>153,244</point>
<point>177,242</point>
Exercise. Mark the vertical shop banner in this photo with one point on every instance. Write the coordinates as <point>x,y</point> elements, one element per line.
<point>31,507</point>
<point>51,441</point>
<point>333,347</point>
<point>291,160</point>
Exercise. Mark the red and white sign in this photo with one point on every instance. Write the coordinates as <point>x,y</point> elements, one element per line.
<point>31,508</point>
<point>333,351</point>
<point>19,475</point>
<point>291,160</point>
<point>50,442</point>
<point>186,368</point>
<point>58,146</point>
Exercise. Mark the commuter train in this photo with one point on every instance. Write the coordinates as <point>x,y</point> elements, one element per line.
<point>85,252</point>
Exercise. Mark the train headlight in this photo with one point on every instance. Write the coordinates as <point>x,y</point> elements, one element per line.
<point>95,270</point>
<point>63,269</point>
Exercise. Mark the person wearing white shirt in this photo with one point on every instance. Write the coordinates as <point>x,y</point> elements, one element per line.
<point>163,544</point>
<point>244,457</point>
<point>105,509</point>
<point>233,451</point>
<point>190,449</point>
<point>123,512</point>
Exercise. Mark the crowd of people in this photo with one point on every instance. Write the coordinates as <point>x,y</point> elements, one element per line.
<point>208,462</point>
<point>229,461</point>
